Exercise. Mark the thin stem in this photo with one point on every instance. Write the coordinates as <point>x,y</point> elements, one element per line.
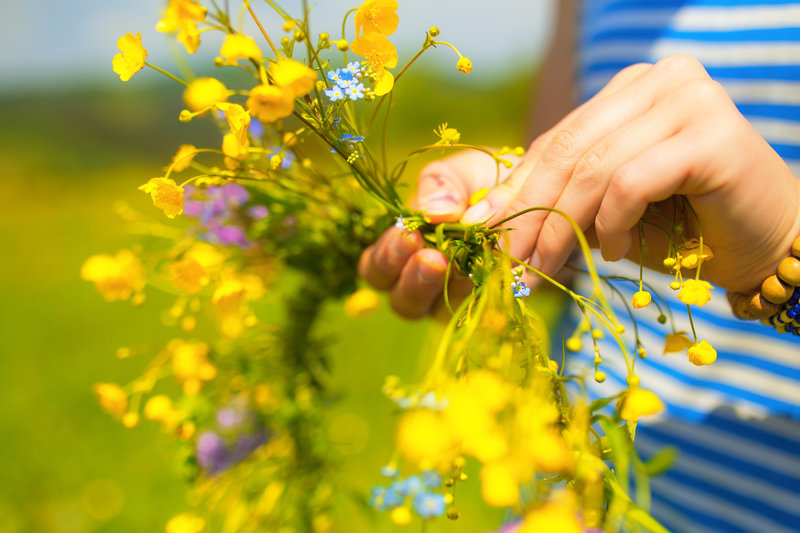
<point>165,73</point>
<point>260,27</point>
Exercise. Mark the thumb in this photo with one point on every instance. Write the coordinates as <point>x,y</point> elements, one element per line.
<point>444,187</point>
<point>442,191</point>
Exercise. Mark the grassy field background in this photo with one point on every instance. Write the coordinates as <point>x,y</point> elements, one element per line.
<point>65,158</point>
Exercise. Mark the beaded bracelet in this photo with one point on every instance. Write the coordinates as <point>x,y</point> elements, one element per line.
<point>777,304</point>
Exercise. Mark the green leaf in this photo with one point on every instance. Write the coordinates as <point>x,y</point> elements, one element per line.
<point>661,461</point>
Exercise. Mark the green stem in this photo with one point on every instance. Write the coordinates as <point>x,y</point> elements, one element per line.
<point>165,73</point>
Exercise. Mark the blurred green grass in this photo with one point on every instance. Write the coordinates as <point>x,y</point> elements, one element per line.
<point>65,159</point>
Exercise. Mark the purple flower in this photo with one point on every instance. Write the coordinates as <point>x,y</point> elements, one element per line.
<point>246,444</point>
<point>230,418</point>
<point>211,452</point>
<point>235,194</point>
<point>228,235</point>
<point>258,212</point>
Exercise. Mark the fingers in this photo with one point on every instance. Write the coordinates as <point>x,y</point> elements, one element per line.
<point>589,182</point>
<point>381,264</point>
<point>420,284</point>
<point>497,202</point>
<point>654,175</point>
<point>444,187</point>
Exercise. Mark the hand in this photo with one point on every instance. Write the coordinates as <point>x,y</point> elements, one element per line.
<point>653,132</point>
<point>399,263</point>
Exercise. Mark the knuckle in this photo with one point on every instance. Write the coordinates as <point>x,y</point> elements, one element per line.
<point>631,71</point>
<point>679,64</point>
<point>589,170</point>
<point>705,91</point>
<point>561,147</point>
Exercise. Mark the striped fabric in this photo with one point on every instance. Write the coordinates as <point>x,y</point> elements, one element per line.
<point>736,422</point>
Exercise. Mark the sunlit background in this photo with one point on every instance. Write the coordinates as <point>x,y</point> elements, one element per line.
<point>74,140</point>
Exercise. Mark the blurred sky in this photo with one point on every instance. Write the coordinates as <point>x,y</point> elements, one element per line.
<point>54,44</point>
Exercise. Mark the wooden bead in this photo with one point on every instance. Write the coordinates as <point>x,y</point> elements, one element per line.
<point>789,271</point>
<point>775,290</point>
<point>760,307</point>
<point>796,247</point>
<point>738,303</point>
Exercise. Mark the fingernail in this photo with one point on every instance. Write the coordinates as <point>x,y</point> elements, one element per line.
<point>429,271</point>
<point>536,261</point>
<point>401,246</point>
<point>440,204</point>
<point>479,212</point>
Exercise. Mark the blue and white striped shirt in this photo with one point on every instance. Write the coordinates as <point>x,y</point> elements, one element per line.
<point>736,422</point>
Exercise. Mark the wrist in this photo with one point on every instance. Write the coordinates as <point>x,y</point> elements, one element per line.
<point>777,302</point>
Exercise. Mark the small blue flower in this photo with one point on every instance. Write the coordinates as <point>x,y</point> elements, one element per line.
<point>377,498</point>
<point>395,495</point>
<point>256,128</point>
<point>355,92</point>
<point>335,93</point>
<point>401,223</point>
<point>413,485</point>
<point>350,138</point>
<point>389,471</point>
<point>520,289</point>
<point>432,479</point>
<point>428,504</point>
<point>355,68</point>
<point>335,123</point>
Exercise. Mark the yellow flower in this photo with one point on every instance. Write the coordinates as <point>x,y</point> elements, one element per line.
<point>238,120</point>
<point>641,299</point>
<point>131,60</point>
<point>361,303</point>
<point>702,353</point>
<point>112,398</point>
<point>190,364</point>
<point>574,344</point>
<point>188,275</point>
<point>424,439</point>
<point>166,194</point>
<point>377,16</point>
<point>401,516</point>
<point>464,65</point>
<point>234,151</point>
<point>115,278</point>
<point>676,342</point>
<point>448,136</point>
<point>548,452</point>
<point>203,93</point>
<point>269,103</point>
<point>182,16</point>
<point>238,46</point>
<point>294,77</point>
<point>130,420</point>
<point>230,301</point>
<point>209,257</point>
<point>552,517</point>
<point>183,157</point>
<point>499,483</point>
<point>640,402</point>
<point>690,253</point>
<point>158,408</point>
<point>695,291</point>
<point>185,523</point>
<point>380,55</point>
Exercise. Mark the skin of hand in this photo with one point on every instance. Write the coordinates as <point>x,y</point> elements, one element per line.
<point>653,132</point>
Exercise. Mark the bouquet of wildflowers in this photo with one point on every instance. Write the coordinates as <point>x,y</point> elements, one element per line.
<point>280,210</point>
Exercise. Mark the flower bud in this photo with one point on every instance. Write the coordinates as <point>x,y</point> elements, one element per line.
<point>434,31</point>
<point>464,65</point>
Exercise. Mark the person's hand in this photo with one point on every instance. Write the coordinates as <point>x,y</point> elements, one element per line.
<point>653,132</point>
<point>399,263</point>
